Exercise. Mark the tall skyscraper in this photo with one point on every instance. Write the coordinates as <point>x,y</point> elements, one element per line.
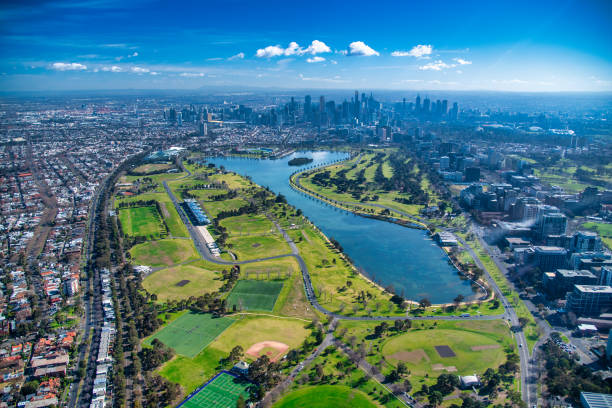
<point>307,107</point>
<point>321,104</point>
<point>426,103</point>
<point>417,107</point>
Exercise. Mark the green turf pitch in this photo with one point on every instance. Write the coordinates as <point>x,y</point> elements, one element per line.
<point>254,294</point>
<point>222,392</point>
<point>141,221</point>
<point>191,332</point>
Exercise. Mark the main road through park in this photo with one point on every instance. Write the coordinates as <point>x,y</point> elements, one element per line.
<point>527,382</point>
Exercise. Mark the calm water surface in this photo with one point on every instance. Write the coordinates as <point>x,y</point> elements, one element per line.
<point>388,253</point>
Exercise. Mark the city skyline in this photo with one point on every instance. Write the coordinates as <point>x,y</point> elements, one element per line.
<point>103,44</point>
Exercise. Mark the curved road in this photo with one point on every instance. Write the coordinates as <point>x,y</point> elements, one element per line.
<point>528,382</point>
<point>207,255</point>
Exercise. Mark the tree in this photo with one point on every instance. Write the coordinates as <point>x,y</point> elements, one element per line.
<point>424,303</point>
<point>29,388</point>
<point>240,403</point>
<point>435,398</point>
<point>235,354</point>
<point>380,330</point>
<point>523,322</point>
<point>458,300</point>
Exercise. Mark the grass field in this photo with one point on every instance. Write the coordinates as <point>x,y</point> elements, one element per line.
<point>323,396</point>
<point>215,207</point>
<point>222,391</point>
<point>147,168</point>
<point>231,180</point>
<point>248,224</point>
<point>191,372</point>
<point>254,294</point>
<point>141,221</point>
<point>191,332</point>
<point>249,330</point>
<point>175,226</point>
<point>466,361</point>
<point>416,347</point>
<point>169,283</point>
<point>165,252</point>
<point>251,247</point>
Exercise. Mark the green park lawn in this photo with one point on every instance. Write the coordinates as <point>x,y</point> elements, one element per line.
<point>165,252</point>
<point>231,180</point>
<point>251,247</point>
<point>342,375</point>
<point>191,332</point>
<point>248,224</point>
<point>323,396</point>
<point>150,167</point>
<point>215,207</point>
<point>249,330</point>
<point>254,294</point>
<point>182,282</point>
<point>416,347</point>
<point>141,221</point>
<point>466,361</point>
<point>191,372</point>
<point>175,225</point>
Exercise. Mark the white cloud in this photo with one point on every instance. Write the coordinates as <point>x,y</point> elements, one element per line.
<point>139,70</point>
<point>335,79</point>
<point>270,51</point>
<point>68,66</point>
<point>192,74</point>
<point>114,68</point>
<point>461,61</point>
<point>238,56</point>
<point>315,59</point>
<point>438,65</point>
<point>293,48</point>
<point>333,62</point>
<point>316,47</point>
<point>214,59</point>
<point>418,51</point>
<point>360,48</point>
<point>154,73</point>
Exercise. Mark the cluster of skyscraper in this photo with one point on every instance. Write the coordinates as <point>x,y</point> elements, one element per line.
<point>361,110</point>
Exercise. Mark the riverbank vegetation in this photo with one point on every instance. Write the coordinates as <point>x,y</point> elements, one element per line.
<point>388,177</point>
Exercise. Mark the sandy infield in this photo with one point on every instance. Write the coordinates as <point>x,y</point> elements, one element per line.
<point>273,349</point>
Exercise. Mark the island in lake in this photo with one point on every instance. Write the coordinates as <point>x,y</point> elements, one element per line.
<point>299,161</point>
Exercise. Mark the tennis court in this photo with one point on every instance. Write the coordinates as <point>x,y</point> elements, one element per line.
<point>222,391</point>
<point>191,332</point>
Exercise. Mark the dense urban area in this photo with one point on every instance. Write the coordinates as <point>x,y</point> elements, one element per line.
<point>136,271</point>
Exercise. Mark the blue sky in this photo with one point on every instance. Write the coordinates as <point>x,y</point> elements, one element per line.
<point>519,45</point>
